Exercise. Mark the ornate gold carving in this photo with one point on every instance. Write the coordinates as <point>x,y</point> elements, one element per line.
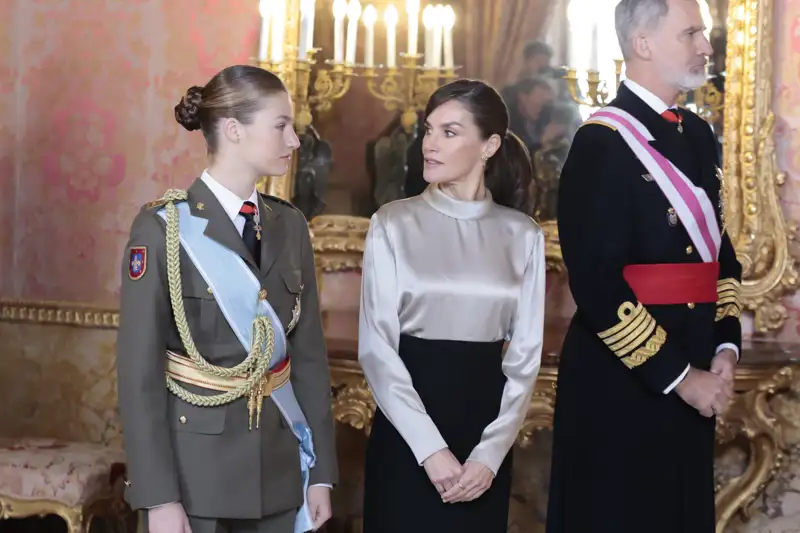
<point>352,401</point>
<point>339,241</point>
<point>552,248</point>
<point>755,221</point>
<point>108,503</point>
<point>67,314</point>
<point>751,418</point>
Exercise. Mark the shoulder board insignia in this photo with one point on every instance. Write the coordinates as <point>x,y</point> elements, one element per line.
<point>278,199</point>
<point>172,195</point>
<point>155,203</point>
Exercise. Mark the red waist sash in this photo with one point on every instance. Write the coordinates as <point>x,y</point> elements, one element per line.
<point>673,283</point>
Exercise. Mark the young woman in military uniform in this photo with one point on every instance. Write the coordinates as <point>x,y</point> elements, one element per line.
<point>224,388</point>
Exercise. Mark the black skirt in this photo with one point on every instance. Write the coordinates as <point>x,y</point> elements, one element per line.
<point>461,385</point>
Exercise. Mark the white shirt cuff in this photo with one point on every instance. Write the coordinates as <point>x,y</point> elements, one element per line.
<point>680,378</point>
<point>323,485</point>
<point>728,346</point>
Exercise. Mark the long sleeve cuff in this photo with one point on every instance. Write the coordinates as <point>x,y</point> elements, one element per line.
<point>678,380</point>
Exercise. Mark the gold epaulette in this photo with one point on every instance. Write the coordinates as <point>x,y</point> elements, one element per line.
<point>599,123</point>
<point>637,337</point>
<point>172,195</point>
<point>729,298</point>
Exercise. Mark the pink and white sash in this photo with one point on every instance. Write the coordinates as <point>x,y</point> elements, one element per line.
<point>692,205</point>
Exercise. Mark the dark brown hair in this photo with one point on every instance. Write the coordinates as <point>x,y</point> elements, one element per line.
<point>508,172</point>
<point>234,92</point>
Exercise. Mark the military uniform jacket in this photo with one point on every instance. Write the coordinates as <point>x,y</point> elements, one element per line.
<point>206,457</point>
<point>629,457</point>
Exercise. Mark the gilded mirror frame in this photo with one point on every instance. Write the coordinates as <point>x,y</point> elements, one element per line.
<point>755,221</point>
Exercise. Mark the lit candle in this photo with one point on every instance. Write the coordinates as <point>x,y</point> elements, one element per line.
<point>370,16</point>
<point>353,14</point>
<point>449,22</point>
<point>436,60</point>
<point>263,41</point>
<point>429,21</point>
<point>278,21</point>
<point>412,8</point>
<point>390,17</point>
<point>339,12</point>
<point>306,28</point>
<point>594,63</point>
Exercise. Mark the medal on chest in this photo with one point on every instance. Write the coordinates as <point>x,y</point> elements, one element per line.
<point>257,224</point>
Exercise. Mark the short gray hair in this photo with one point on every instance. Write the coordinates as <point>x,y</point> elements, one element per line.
<point>632,15</point>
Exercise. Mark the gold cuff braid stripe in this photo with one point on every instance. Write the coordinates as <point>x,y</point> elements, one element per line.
<point>650,348</point>
<point>728,310</point>
<point>634,329</point>
<point>729,301</point>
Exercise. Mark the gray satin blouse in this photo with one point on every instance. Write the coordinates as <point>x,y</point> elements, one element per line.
<point>439,268</point>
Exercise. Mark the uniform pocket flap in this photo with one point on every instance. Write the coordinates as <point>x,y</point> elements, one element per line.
<point>196,287</point>
<point>189,418</point>
<point>293,280</point>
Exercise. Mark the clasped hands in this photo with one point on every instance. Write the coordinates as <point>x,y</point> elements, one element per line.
<point>456,482</point>
<point>710,392</point>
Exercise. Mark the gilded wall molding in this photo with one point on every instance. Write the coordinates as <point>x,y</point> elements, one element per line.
<point>58,313</point>
<point>755,221</point>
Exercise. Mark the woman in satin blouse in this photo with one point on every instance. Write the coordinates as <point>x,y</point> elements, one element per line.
<point>448,277</point>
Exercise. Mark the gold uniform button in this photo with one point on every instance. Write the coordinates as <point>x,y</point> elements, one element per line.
<point>182,420</point>
<point>210,291</point>
<point>689,250</point>
<point>690,305</point>
<point>262,294</point>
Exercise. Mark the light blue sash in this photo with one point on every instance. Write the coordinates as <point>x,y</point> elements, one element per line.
<point>236,289</point>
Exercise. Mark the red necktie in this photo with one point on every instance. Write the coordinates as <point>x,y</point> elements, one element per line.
<point>672,115</point>
<point>251,234</point>
<point>248,208</point>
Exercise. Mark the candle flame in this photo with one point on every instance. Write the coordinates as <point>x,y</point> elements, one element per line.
<point>264,8</point>
<point>354,10</point>
<point>370,15</point>
<point>448,17</point>
<point>429,16</point>
<point>390,16</point>
<point>339,9</point>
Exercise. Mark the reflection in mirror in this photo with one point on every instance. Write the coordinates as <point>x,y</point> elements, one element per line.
<point>547,102</point>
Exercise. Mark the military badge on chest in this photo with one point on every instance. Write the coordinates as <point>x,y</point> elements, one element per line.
<point>672,217</point>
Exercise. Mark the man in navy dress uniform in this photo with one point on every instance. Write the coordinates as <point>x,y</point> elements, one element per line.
<point>650,355</point>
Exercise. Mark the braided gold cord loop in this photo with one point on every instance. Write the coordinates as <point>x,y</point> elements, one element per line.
<point>262,346</point>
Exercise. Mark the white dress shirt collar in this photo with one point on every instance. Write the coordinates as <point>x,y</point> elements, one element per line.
<point>656,103</point>
<point>231,203</point>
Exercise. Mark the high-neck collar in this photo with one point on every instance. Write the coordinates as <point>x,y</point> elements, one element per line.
<point>461,209</point>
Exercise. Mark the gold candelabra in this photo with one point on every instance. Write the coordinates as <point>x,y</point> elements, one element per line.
<point>597,93</point>
<point>285,49</point>
<point>406,88</point>
<point>330,84</point>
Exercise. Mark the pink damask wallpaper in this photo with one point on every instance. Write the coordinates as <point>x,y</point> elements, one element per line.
<point>787,110</point>
<point>87,134</point>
